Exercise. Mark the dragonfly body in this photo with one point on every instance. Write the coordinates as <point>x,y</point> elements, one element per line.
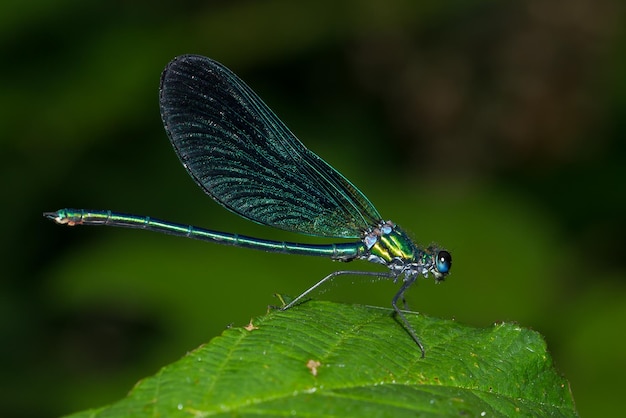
<point>239,152</point>
<point>386,244</point>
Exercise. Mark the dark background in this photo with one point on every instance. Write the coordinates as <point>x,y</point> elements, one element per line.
<point>495,129</point>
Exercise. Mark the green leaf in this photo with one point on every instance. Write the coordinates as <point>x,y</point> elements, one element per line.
<point>328,359</point>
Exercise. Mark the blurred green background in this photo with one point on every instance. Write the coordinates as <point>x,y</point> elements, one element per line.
<point>492,128</point>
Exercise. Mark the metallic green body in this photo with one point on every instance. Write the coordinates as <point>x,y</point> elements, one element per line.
<point>394,245</point>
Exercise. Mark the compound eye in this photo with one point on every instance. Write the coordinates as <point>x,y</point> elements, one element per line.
<point>444,262</point>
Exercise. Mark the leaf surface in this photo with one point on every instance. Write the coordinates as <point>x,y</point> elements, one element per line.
<point>328,359</point>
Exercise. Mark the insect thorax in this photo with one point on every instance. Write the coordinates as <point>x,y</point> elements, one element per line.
<point>388,244</point>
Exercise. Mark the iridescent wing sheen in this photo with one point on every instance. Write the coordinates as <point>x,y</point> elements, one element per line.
<point>246,159</point>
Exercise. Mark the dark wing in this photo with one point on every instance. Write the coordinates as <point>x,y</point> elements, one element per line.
<point>246,159</point>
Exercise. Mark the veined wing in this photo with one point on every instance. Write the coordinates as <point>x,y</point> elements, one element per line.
<point>245,158</point>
